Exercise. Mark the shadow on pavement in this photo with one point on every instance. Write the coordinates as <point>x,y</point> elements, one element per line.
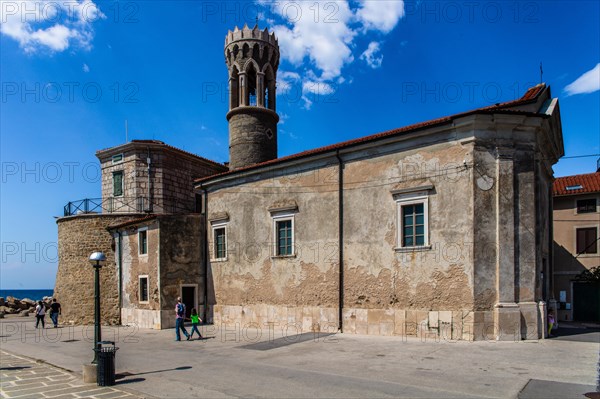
<point>553,389</point>
<point>14,368</point>
<point>586,334</point>
<point>131,381</point>
<point>119,376</point>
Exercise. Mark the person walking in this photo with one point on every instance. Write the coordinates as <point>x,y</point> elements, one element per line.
<point>54,312</point>
<point>195,321</point>
<point>550,323</point>
<point>40,313</point>
<point>179,319</point>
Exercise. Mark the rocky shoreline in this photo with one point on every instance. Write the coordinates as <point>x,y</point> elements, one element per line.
<point>23,307</point>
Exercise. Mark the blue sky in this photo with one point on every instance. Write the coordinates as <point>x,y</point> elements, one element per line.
<point>72,72</point>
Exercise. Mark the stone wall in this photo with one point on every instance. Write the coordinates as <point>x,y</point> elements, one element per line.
<point>172,172</point>
<point>78,237</point>
<point>252,136</point>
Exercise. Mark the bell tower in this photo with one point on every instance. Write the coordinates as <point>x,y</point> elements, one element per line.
<point>252,58</point>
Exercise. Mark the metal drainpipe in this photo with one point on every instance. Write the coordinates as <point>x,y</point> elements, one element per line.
<point>205,244</point>
<point>341,240</point>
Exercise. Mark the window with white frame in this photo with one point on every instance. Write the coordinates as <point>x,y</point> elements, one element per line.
<point>219,234</point>
<point>143,241</point>
<point>117,158</point>
<point>412,219</point>
<point>283,228</point>
<point>143,284</point>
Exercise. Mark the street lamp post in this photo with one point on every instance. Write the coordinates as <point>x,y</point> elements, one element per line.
<point>97,259</point>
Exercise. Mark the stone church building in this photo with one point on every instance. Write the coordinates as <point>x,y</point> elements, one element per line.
<point>439,229</point>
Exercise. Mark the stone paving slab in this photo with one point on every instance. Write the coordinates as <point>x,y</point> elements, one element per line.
<point>21,377</point>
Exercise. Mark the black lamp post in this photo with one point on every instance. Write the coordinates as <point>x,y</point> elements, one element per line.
<point>97,259</point>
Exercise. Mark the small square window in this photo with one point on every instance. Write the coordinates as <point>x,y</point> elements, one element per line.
<point>143,241</point>
<point>587,240</point>
<point>118,183</point>
<point>586,205</point>
<point>143,288</point>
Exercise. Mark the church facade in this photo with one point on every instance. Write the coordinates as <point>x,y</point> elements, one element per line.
<point>440,229</point>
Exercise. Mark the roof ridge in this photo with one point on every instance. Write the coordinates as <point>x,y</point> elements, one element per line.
<point>530,95</point>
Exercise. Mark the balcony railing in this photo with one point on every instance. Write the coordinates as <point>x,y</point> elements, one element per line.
<point>128,205</point>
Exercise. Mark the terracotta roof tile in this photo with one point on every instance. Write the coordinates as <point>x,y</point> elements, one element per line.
<point>530,96</point>
<point>569,185</point>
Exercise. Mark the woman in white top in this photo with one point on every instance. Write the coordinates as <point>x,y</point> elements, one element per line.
<point>40,313</point>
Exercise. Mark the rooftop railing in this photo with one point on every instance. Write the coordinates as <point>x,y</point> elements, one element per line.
<point>127,205</point>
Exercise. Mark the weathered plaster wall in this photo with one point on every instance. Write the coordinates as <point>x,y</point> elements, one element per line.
<point>78,237</point>
<point>144,314</point>
<point>385,289</point>
<point>252,274</point>
<point>181,262</point>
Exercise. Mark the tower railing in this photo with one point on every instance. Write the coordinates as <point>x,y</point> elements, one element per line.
<point>109,205</point>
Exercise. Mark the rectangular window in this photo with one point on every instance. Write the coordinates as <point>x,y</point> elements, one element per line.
<point>143,241</point>
<point>587,240</point>
<point>412,220</point>
<point>117,158</point>
<point>413,225</point>
<point>220,243</point>
<point>586,205</point>
<point>285,237</point>
<point>118,183</point>
<point>143,288</point>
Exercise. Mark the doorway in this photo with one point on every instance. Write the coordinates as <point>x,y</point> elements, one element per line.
<point>189,298</point>
<point>586,301</point>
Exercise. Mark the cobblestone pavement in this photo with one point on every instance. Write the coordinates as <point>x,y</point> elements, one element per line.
<point>21,377</point>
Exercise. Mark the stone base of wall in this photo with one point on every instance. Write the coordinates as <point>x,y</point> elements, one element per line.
<point>142,318</point>
<point>427,325</point>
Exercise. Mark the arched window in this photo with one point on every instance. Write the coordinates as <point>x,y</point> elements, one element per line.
<point>269,88</point>
<point>234,89</point>
<point>251,85</point>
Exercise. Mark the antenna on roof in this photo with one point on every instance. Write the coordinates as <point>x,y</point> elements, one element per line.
<point>126,132</point>
<point>541,73</point>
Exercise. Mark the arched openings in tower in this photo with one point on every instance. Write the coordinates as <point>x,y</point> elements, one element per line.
<point>269,88</point>
<point>251,84</point>
<point>234,89</point>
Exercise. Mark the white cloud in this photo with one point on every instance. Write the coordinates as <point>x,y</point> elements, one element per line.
<point>589,82</point>
<point>382,16</point>
<point>370,55</point>
<point>86,68</point>
<point>49,25</point>
<point>318,88</point>
<point>318,39</point>
<point>318,31</point>
<point>286,80</point>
